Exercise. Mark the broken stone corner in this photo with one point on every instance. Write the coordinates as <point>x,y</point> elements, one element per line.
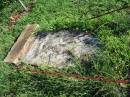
<point>19,48</point>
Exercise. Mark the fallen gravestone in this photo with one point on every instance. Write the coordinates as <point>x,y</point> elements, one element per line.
<point>54,49</point>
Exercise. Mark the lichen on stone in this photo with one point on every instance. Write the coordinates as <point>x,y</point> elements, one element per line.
<point>58,49</point>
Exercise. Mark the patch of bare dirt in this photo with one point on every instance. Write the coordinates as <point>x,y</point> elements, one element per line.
<point>15,16</point>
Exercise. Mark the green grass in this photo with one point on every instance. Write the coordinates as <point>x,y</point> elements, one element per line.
<point>112,61</point>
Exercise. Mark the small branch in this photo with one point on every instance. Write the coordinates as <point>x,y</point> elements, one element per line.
<point>26,9</point>
<point>109,12</point>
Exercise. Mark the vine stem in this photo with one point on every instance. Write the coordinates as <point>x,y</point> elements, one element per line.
<point>54,73</point>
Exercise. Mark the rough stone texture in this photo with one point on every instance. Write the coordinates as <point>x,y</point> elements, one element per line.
<point>19,48</point>
<point>58,49</point>
<point>53,49</point>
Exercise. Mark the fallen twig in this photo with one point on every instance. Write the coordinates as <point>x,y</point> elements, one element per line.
<point>109,12</point>
<point>26,9</point>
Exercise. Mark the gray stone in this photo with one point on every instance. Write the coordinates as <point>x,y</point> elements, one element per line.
<point>58,49</point>
<point>53,49</point>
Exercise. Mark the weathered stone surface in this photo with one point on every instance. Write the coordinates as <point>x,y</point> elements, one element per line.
<point>52,49</point>
<point>58,49</point>
<point>19,48</point>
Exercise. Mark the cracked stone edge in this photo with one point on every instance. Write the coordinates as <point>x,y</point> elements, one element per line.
<point>22,45</point>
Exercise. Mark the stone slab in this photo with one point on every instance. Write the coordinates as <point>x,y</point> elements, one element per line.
<point>55,49</point>
<point>60,49</point>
